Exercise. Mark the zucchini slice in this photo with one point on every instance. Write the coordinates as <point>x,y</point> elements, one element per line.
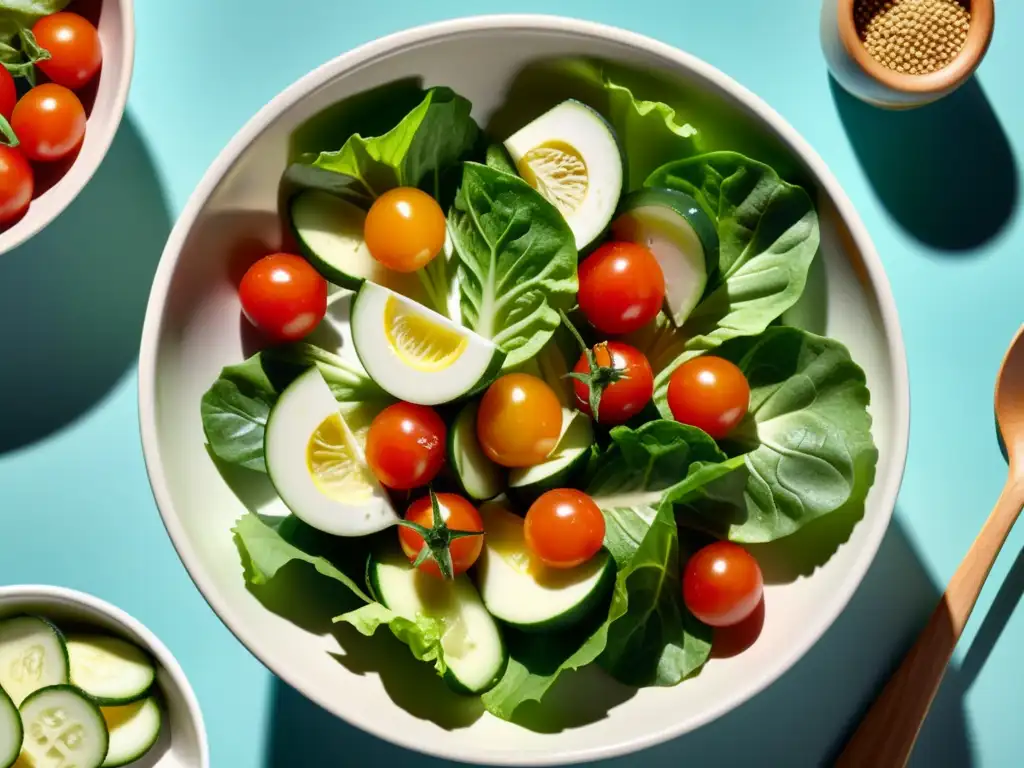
<point>64,727</point>
<point>561,468</point>
<point>134,729</point>
<point>11,731</point>
<point>109,669</point>
<point>480,478</point>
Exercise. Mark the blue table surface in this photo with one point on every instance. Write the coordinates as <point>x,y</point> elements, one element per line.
<point>938,189</point>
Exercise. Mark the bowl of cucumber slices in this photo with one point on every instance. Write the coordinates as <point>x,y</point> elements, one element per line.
<point>82,682</point>
<point>523,391</point>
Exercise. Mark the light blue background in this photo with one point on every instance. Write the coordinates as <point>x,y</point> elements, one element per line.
<point>937,188</point>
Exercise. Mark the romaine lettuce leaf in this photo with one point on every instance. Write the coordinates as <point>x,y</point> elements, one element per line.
<point>423,636</point>
<point>517,261</point>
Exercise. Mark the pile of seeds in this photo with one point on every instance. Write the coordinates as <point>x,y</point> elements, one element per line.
<point>913,36</point>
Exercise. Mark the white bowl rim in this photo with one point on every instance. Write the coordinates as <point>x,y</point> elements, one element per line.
<point>100,150</point>
<point>43,594</point>
<point>387,45</point>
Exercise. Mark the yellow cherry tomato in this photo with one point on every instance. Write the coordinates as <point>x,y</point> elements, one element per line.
<point>404,229</point>
<point>519,420</point>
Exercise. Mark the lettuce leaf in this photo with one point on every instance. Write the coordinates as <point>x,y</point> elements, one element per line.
<point>423,636</point>
<point>434,136</point>
<point>517,261</point>
<point>806,443</point>
<point>236,407</point>
<point>768,236</point>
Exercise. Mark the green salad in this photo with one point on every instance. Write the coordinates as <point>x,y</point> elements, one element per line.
<point>526,390</point>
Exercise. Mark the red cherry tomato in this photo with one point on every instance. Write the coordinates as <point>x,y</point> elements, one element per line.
<point>49,121</point>
<point>8,93</point>
<point>283,296</point>
<point>710,393</point>
<point>74,47</point>
<point>404,229</point>
<point>405,446</point>
<point>622,399</point>
<point>622,287</point>
<point>564,528</point>
<point>722,584</point>
<point>16,184</point>
<point>519,420</point>
<point>459,515</point>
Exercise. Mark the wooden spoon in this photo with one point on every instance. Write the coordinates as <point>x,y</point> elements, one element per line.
<point>887,733</point>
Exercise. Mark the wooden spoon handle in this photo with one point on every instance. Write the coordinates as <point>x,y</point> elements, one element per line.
<point>887,733</point>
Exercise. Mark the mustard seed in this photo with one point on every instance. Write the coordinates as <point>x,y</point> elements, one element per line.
<point>919,36</point>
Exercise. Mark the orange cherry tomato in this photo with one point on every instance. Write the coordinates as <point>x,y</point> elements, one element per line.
<point>564,528</point>
<point>722,584</point>
<point>74,47</point>
<point>458,515</point>
<point>622,287</point>
<point>283,296</point>
<point>49,121</point>
<point>405,446</point>
<point>405,229</point>
<point>710,393</point>
<point>519,421</point>
<point>16,184</point>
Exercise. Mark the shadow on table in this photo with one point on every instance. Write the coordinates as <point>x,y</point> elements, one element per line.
<point>945,172</point>
<point>802,720</point>
<point>73,298</point>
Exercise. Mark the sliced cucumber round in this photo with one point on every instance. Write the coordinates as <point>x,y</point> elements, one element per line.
<point>329,231</point>
<point>561,468</point>
<point>416,354</point>
<point>11,731</point>
<point>64,727</point>
<point>674,227</point>
<point>472,644</point>
<point>32,656</point>
<point>134,729</point>
<point>317,466</point>
<point>480,478</point>
<point>109,669</point>
<point>571,155</point>
<point>521,591</point>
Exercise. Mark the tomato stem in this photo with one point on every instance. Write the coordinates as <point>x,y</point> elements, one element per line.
<point>8,132</point>
<point>599,376</point>
<point>437,539</point>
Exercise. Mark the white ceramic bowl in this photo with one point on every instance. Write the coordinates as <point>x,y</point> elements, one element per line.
<point>115,20</point>
<point>193,328</point>
<point>182,743</point>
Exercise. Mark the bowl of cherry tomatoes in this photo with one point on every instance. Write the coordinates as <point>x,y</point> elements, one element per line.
<point>63,87</point>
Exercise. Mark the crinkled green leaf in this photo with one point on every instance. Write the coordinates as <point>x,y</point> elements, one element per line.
<point>435,135</point>
<point>423,636</point>
<point>265,551</point>
<point>517,261</point>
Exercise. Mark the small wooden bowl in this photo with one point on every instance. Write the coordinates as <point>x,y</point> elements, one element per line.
<point>861,74</point>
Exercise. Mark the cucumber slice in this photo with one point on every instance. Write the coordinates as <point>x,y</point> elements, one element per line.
<point>109,669</point>
<point>32,656</point>
<point>480,478</point>
<point>682,238</point>
<point>561,467</point>
<point>134,729</point>
<point>317,466</point>
<point>329,231</point>
<point>472,643</point>
<point>520,590</point>
<point>416,354</point>
<point>571,155</point>
<point>63,727</point>
<point>11,732</point>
